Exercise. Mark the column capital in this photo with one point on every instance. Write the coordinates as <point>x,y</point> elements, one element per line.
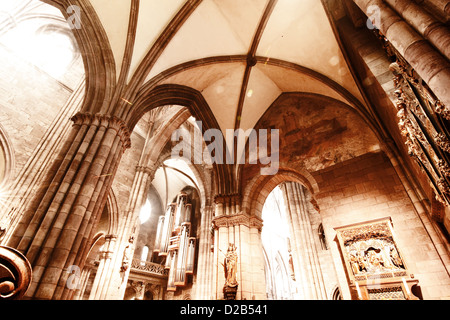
<point>145,169</point>
<point>236,220</point>
<point>107,121</point>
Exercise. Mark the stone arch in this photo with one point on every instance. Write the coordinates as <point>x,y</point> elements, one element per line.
<point>113,213</point>
<point>163,137</point>
<point>336,293</point>
<point>193,100</point>
<point>203,190</point>
<point>130,293</point>
<point>98,58</point>
<point>7,153</point>
<point>259,187</point>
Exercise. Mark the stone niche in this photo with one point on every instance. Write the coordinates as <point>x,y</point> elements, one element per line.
<point>375,266</point>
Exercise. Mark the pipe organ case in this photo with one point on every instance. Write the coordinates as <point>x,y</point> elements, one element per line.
<point>174,241</point>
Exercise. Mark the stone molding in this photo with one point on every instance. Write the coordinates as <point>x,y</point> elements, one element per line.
<point>106,121</point>
<point>236,220</point>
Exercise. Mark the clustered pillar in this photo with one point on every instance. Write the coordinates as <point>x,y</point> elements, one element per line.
<point>57,226</point>
<point>416,36</point>
<point>305,256</point>
<point>244,231</point>
<point>29,178</point>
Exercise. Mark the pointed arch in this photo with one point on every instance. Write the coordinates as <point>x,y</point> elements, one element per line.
<point>171,94</point>
<point>257,190</point>
<point>96,52</point>
<point>7,153</point>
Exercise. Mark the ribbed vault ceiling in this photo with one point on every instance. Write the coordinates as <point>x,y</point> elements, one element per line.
<point>240,54</point>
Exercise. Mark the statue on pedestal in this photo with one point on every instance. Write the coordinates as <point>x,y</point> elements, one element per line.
<point>230,266</point>
<point>127,255</point>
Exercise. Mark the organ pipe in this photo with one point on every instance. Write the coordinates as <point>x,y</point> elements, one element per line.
<point>171,279</point>
<point>159,234</point>
<point>187,213</point>
<point>174,241</point>
<point>167,229</point>
<point>191,256</point>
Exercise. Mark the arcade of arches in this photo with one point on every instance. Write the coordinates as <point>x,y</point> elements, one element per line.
<point>119,178</point>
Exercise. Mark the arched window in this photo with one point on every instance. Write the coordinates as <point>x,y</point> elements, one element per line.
<point>146,210</point>
<point>6,158</point>
<point>336,294</point>
<point>276,246</point>
<point>144,255</point>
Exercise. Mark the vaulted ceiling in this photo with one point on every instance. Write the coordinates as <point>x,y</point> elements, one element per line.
<point>240,54</point>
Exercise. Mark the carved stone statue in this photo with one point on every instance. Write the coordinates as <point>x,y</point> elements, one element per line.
<point>127,255</point>
<point>230,264</point>
<point>230,268</point>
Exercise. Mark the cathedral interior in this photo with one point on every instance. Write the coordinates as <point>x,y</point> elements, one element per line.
<point>224,149</point>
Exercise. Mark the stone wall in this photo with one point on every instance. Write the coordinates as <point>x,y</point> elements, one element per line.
<point>367,188</point>
<point>30,99</point>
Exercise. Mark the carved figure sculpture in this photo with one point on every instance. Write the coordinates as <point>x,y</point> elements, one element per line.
<point>230,265</point>
<point>127,255</point>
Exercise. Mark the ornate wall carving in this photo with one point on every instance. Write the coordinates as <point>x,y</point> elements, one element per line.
<point>423,121</point>
<point>374,264</point>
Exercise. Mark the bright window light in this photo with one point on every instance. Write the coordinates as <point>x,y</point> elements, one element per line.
<point>146,210</point>
<point>144,255</point>
<point>48,46</point>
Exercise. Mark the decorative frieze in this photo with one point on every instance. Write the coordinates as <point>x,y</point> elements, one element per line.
<point>236,220</point>
<point>442,141</point>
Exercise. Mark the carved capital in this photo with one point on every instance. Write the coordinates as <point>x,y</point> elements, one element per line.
<point>236,220</point>
<point>148,170</point>
<point>107,121</point>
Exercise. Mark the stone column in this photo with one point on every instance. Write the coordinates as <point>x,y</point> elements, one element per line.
<point>431,66</point>
<point>305,256</point>
<point>55,228</point>
<point>116,280</point>
<point>427,25</point>
<point>205,256</point>
<point>311,241</point>
<point>245,232</point>
<point>99,287</point>
<point>440,7</point>
<point>29,178</point>
<point>294,231</point>
<point>84,279</point>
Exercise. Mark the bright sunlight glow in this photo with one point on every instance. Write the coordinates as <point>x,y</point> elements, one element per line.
<point>146,210</point>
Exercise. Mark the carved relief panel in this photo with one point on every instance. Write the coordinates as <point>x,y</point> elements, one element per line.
<point>374,264</point>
